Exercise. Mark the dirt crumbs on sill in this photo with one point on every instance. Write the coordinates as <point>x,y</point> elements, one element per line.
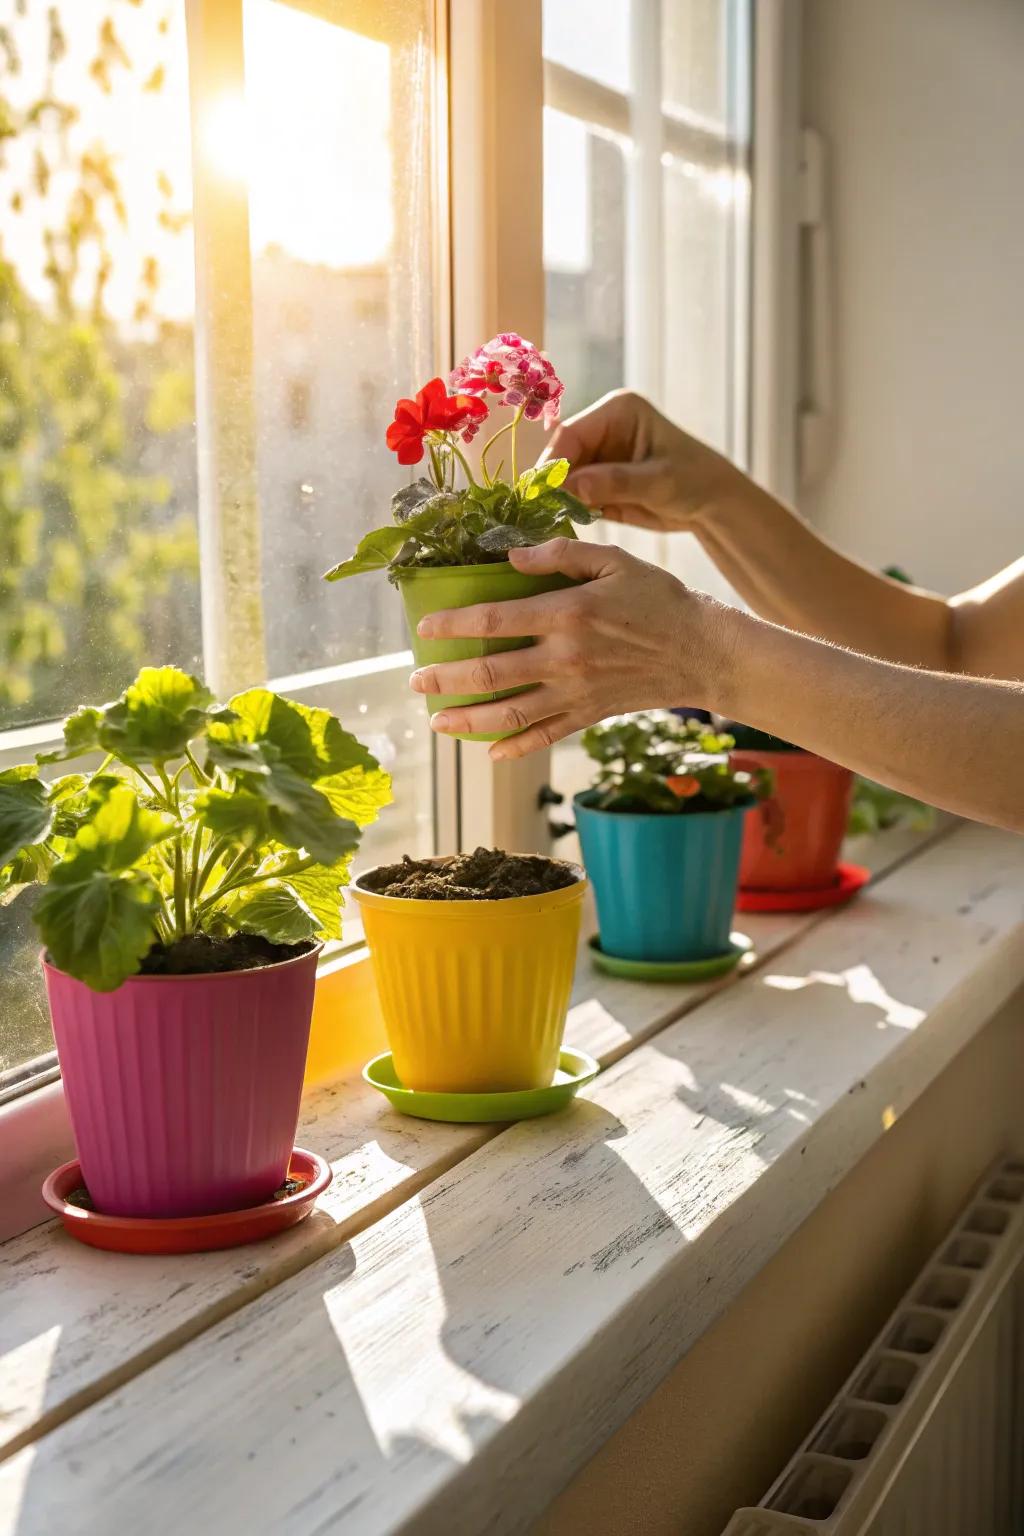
<point>199,955</point>
<point>489,874</point>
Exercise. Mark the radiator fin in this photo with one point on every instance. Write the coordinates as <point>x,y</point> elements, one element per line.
<point>926,1437</point>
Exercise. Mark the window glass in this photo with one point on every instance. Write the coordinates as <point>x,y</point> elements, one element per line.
<point>99,550</point>
<point>590,37</point>
<point>341,230</point>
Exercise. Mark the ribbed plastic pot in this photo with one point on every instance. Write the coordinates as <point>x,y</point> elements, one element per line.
<point>795,845</point>
<point>665,886</point>
<point>474,993</point>
<point>183,1091</point>
<point>431,589</point>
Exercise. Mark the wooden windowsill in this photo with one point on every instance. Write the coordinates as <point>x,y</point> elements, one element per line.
<point>473,1311</point>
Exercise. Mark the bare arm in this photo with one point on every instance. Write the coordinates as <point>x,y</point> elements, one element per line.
<point>632,637</point>
<point>641,469</point>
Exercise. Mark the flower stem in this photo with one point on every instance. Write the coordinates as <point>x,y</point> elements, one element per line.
<point>462,460</point>
<point>516,419</point>
<point>508,427</point>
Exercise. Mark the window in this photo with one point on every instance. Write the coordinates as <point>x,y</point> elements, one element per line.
<point>310,286</point>
<point>646,228</point>
<point>228,246</point>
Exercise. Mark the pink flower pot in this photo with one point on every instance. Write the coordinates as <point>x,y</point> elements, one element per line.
<point>183,1091</point>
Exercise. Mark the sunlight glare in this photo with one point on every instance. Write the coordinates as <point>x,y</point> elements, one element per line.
<point>226,136</point>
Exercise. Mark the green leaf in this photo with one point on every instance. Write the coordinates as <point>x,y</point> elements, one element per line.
<point>542,477</point>
<point>273,910</point>
<point>321,889</point>
<point>30,867</point>
<point>358,793</point>
<point>303,818</point>
<point>96,914</point>
<point>405,502</point>
<point>119,833</point>
<point>157,716</point>
<point>373,552</point>
<point>25,814</point>
<point>97,926</point>
<point>565,504</point>
<point>310,741</point>
<point>81,735</point>
<point>239,814</point>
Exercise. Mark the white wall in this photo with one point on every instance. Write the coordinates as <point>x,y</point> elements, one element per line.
<point>921,103</point>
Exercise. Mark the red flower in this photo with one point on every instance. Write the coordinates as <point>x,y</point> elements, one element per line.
<point>433,410</point>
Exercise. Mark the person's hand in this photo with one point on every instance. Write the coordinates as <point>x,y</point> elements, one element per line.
<point>631,637</point>
<point>638,467</point>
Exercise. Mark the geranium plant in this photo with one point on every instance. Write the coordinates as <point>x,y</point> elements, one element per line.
<point>657,762</point>
<point>201,822</point>
<point>438,522</point>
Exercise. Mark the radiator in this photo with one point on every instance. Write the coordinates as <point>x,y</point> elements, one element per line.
<point>926,1437</point>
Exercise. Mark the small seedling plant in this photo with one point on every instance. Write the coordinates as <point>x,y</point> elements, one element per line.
<point>658,762</point>
<point>436,521</point>
<point>199,819</point>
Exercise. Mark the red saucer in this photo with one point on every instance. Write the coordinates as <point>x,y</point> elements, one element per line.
<point>188,1234</point>
<point>850,878</point>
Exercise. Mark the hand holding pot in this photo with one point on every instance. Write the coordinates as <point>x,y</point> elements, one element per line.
<point>630,637</point>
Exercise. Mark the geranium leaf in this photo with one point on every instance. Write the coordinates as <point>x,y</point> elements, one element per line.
<point>303,818</point>
<point>157,716</point>
<point>81,735</point>
<point>119,833</point>
<point>405,501</point>
<point>358,793</point>
<point>321,889</point>
<point>268,729</point>
<point>373,552</point>
<point>96,925</point>
<point>272,909</point>
<point>238,814</point>
<point>25,815</point>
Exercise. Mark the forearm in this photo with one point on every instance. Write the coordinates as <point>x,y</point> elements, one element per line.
<point>791,576</point>
<point>956,742</point>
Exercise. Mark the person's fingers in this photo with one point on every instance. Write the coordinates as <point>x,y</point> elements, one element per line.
<point>517,618</point>
<point>647,484</point>
<point>480,674</point>
<point>636,517</point>
<point>536,737</point>
<point>566,557</point>
<point>513,714</point>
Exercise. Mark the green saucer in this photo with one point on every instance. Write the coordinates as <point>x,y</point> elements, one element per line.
<point>672,970</point>
<point>575,1070</point>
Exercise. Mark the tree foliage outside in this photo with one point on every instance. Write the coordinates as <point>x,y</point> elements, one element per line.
<point>98,547</point>
<point>98,557</point>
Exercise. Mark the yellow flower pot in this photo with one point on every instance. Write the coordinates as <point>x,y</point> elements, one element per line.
<point>474,993</point>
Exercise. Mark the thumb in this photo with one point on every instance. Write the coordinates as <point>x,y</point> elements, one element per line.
<point>646,484</point>
<point>566,557</point>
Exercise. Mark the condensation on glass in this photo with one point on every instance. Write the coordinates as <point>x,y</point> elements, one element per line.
<point>609,251</point>
<point>99,535</point>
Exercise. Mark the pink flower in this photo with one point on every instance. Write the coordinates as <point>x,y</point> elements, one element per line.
<point>514,369</point>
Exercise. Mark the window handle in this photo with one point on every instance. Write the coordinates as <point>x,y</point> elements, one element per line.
<point>548,796</point>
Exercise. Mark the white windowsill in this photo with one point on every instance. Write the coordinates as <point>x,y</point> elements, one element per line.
<point>444,1355</point>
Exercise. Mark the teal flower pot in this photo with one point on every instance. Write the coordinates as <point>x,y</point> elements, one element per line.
<point>665,886</point>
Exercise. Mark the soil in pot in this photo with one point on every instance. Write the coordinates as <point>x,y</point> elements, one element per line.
<point>488,874</point>
<point>197,954</point>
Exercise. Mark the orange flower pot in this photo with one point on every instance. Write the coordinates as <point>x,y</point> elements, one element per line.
<point>792,842</point>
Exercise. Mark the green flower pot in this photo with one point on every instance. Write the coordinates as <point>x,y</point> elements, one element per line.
<point>433,588</point>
